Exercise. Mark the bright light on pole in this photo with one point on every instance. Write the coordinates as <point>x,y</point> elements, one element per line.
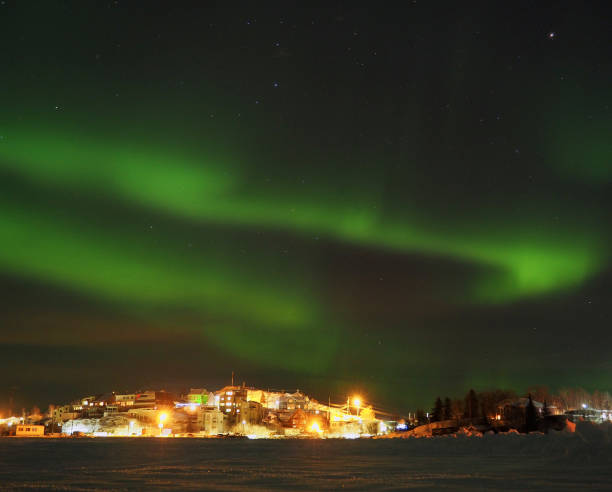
<point>357,403</point>
<point>162,417</point>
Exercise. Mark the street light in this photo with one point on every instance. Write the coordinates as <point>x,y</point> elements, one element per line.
<point>162,417</point>
<point>357,403</point>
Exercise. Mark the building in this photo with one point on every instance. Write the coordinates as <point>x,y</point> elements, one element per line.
<point>198,396</point>
<point>111,410</point>
<point>30,430</point>
<point>293,401</point>
<point>146,399</point>
<point>298,419</point>
<point>211,421</point>
<point>514,412</point>
<point>229,399</point>
<point>249,412</point>
<point>125,400</point>
<point>66,412</point>
<point>153,399</point>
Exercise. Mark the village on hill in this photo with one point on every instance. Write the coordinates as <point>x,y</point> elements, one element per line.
<point>241,411</point>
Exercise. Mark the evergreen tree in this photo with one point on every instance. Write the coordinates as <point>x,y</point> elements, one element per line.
<point>436,413</point>
<point>471,405</point>
<point>420,417</point>
<point>531,416</point>
<point>446,409</point>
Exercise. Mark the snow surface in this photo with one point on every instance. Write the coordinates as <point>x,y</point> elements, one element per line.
<point>556,461</point>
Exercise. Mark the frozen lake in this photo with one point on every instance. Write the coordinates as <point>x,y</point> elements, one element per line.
<point>555,462</point>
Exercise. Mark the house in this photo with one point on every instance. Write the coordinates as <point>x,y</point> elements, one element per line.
<point>211,421</point>
<point>198,396</point>
<point>514,412</point>
<point>30,431</point>
<point>250,412</point>
<point>66,412</point>
<point>229,399</point>
<point>125,400</point>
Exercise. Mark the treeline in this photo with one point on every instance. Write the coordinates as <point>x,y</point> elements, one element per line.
<point>485,404</point>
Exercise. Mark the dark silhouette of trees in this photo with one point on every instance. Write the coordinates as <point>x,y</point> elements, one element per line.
<point>421,418</point>
<point>539,392</point>
<point>531,416</point>
<point>436,413</point>
<point>490,401</point>
<point>457,408</point>
<point>447,412</point>
<point>471,405</point>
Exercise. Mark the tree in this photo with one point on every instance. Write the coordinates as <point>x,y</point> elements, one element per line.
<point>607,400</point>
<point>447,412</point>
<point>436,413</point>
<point>421,417</point>
<point>457,408</point>
<point>471,405</point>
<point>491,400</point>
<point>539,393</point>
<point>531,416</point>
<point>597,399</point>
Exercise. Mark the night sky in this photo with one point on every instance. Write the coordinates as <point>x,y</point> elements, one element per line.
<point>400,202</point>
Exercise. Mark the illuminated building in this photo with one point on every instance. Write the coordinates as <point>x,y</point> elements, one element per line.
<point>230,398</point>
<point>199,396</point>
<point>30,430</point>
<point>211,421</point>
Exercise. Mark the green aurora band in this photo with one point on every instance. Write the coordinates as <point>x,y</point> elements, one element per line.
<point>528,261</point>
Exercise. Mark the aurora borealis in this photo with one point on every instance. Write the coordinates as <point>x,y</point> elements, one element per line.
<point>401,202</point>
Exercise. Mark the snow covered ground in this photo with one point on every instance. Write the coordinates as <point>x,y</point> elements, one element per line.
<point>557,461</point>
